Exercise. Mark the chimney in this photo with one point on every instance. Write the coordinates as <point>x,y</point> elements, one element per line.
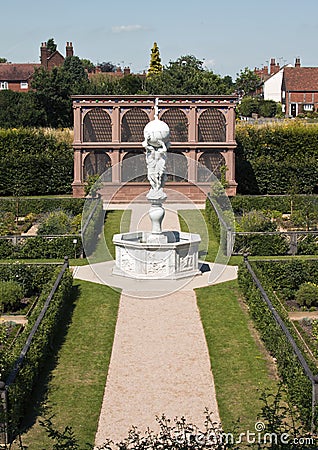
<point>69,49</point>
<point>126,70</point>
<point>274,68</point>
<point>297,62</point>
<point>44,54</point>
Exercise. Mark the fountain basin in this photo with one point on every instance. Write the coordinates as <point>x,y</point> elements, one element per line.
<point>147,256</point>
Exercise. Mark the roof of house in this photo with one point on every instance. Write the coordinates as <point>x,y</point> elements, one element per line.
<point>17,72</point>
<point>301,79</point>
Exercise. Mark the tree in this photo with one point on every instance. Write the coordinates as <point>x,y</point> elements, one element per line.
<point>155,61</point>
<point>247,82</point>
<point>51,46</point>
<point>185,76</point>
<point>88,65</point>
<point>107,67</point>
<point>54,88</point>
<point>3,60</point>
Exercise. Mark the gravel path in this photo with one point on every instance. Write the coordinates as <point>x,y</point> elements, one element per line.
<point>159,364</point>
<point>160,361</point>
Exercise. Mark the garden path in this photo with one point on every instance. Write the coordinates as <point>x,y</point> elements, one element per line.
<point>160,361</point>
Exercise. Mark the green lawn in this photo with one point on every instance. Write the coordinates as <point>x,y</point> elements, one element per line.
<point>240,364</point>
<point>75,378</point>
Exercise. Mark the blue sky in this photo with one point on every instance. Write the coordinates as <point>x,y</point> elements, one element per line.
<point>228,34</point>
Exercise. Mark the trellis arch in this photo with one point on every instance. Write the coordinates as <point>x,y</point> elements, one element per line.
<point>97,126</point>
<point>96,162</point>
<point>212,126</point>
<point>133,124</point>
<point>133,167</point>
<point>177,121</point>
<point>210,162</point>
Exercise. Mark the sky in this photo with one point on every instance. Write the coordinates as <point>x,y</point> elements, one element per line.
<point>228,35</point>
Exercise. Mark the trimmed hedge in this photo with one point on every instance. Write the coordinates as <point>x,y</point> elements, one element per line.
<point>39,247</point>
<point>282,203</point>
<point>290,370</point>
<point>20,392</point>
<point>276,159</point>
<point>25,205</point>
<point>33,162</point>
<point>261,244</point>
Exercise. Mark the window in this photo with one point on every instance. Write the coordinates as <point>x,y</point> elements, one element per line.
<point>24,85</point>
<point>308,107</point>
<point>4,85</point>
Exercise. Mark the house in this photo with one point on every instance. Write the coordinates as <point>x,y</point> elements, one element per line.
<point>300,89</point>
<point>272,86</point>
<point>17,76</point>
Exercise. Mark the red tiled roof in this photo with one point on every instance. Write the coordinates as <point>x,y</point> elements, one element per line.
<point>16,72</point>
<point>301,79</point>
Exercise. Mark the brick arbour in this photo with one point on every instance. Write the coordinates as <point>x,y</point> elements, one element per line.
<point>108,131</point>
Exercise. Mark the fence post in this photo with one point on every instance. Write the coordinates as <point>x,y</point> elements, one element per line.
<point>4,416</point>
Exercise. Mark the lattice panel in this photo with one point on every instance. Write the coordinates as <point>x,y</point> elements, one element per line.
<point>96,163</point>
<point>97,126</point>
<point>133,124</point>
<point>177,166</point>
<point>178,124</point>
<point>210,162</point>
<point>134,167</point>
<point>212,126</point>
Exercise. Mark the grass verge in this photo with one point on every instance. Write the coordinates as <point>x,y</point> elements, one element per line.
<point>73,382</point>
<point>241,366</point>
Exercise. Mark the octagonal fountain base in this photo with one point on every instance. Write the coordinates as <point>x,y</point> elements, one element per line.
<point>148,256</point>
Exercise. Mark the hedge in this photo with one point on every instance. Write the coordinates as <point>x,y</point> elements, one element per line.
<point>33,162</point>
<point>20,392</point>
<point>261,244</point>
<point>290,370</point>
<point>25,205</point>
<point>39,247</point>
<point>277,159</point>
<point>281,203</point>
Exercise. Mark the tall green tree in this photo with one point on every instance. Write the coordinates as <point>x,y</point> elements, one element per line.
<point>53,90</point>
<point>155,61</point>
<point>247,82</point>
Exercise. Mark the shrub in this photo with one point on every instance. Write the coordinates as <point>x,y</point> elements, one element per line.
<point>307,295</point>
<point>54,223</point>
<point>11,294</point>
<point>256,221</point>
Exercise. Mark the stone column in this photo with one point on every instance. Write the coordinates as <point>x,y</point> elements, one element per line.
<point>192,166</point>
<point>115,158</point>
<point>192,124</point>
<point>77,123</point>
<point>230,125</point>
<point>116,124</point>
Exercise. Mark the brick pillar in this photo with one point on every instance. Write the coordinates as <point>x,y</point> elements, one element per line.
<point>229,157</point>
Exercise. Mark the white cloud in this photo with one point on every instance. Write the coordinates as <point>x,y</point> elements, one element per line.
<point>126,28</point>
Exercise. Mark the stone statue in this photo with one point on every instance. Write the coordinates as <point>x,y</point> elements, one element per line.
<point>156,144</point>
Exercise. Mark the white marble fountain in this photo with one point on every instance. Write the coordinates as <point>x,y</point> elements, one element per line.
<point>157,254</point>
